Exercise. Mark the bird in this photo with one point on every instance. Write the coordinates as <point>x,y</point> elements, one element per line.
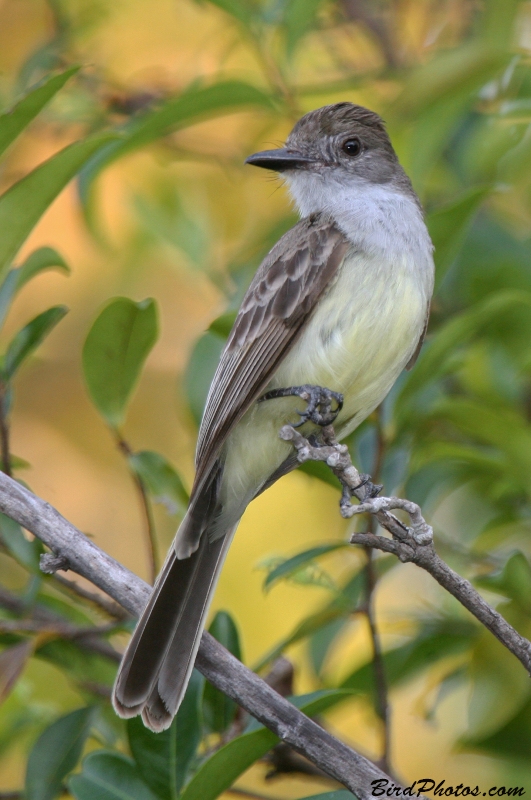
<point>335,312</point>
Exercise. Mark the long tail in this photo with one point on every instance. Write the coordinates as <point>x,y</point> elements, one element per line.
<point>157,664</point>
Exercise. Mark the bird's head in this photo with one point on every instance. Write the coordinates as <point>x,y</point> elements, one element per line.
<point>342,146</point>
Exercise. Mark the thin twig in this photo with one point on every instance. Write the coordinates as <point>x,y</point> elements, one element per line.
<point>409,543</point>
<point>219,666</point>
<point>64,630</point>
<point>151,535</point>
<point>4,431</point>
<point>380,680</point>
<point>98,599</point>
<point>356,10</point>
<point>43,619</point>
<point>275,77</point>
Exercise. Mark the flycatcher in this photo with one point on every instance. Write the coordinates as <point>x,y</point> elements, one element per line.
<point>340,302</point>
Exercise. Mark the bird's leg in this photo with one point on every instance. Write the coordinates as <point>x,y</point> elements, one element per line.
<point>319,403</point>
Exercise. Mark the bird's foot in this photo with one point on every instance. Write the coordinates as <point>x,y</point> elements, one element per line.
<point>319,403</point>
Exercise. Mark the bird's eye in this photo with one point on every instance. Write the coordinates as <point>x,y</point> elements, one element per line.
<point>352,147</point>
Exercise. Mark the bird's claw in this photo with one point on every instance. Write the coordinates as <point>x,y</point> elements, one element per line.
<point>319,403</point>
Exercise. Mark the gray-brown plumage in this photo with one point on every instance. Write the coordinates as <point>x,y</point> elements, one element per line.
<point>340,301</point>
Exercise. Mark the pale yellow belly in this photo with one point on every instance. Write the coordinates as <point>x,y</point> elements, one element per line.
<point>357,342</point>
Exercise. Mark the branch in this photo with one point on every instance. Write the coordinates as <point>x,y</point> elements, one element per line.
<point>409,543</point>
<point>357,11</point>
<point>97,599</point>
<point>145,505</point>
<point>43,620</point>
<point>378,665</point>
<point>4,430</point>
<point>383,708</point>
<point>221,668</point>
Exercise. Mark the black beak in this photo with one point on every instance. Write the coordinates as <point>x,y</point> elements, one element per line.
<point>279,160</point>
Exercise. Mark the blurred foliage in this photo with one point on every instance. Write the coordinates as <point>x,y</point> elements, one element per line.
<point>453,80</point>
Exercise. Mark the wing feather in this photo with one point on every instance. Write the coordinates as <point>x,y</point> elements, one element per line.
<point>283,294</point>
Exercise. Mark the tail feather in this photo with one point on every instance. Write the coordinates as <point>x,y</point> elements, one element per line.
<point>158,662</point>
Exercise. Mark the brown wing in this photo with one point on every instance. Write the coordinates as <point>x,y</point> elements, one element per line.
<point>282,296</point>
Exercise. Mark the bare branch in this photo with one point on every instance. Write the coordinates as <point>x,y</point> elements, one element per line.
<point>380,679</point>
<point>409,543</point>
<point>98,599</point>
<point>221,668</point>
<point>357,11</point>
<point>383,708</point>
<point>44,620</point>
<point>4,430</point>
<point>145,504</point>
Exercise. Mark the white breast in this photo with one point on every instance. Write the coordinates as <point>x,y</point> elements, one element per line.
<point>362,334</point>
<point>365,330</point>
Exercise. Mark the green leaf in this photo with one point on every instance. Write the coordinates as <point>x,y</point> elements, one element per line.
<point>15,119</point>
<point>222,326</point>
<point>24,203</point>
<point>109,776</point>
<point>454,72</point>
<point>497,686</point>
<point>162,481</point>
<point>29,338</point>
<point>167,219</point>
<point>192,106</point>
<point>509,432</point>
<point>41,259</point>
<point>200,371</point>
<point>512,740</point>
<point>341,607</point>
<point>436,640</point>
<point>434,360</point>
<point>163,759</point>
<point>300,16</point>
<point>85,669</point>
<point>25,552</point>
<point>229,762</point>
<point>242,11</point>
<point>513,581</point>
<point>224,630</point>
<point>114,352</point>
<point>307,627</point>
<point>498,22</point>
<point>291,565</point>
<point>56,753</point>
<point>448,227</point>
<point>437,95</point>
<point>319,470</point>
<point>321,641</point>
<point>218,709</point>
